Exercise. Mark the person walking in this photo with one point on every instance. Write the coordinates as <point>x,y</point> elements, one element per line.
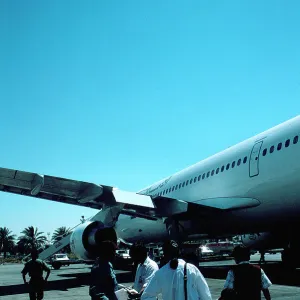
<point>35,268</point>
<point>103,279</point>
<point>146,268</point>
<point>262,256</point>
<point>177,280</point>
<point>245,281</point>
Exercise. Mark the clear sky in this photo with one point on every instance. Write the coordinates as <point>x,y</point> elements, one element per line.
<point>125,93</point>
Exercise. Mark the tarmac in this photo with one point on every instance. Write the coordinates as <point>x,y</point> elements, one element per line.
<point>72,282</point>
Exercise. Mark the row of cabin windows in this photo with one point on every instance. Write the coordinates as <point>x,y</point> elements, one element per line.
<point>209,173</point>
<point>233,164</point>
<point>280,145</point>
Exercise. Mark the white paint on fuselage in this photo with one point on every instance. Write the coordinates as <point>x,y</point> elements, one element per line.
<point>276,186</point>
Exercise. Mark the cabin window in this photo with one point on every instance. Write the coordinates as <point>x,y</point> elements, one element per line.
<point>179,185</point>
<point>170,190</point>
<point>222,169</point>
<point>287,143</point>
<point>176,186</point>
<point>272,149</point>
<point>233,164</point>
<point>166,192</point>
<point>173,188</point>
<point>191,181</point>
<point>203,176</point>
<point>187,182</point>
<point>217,171</point>
<point>245,160</point>
<point>227,167</point>
<point>195,179</point>
<point>265,152</point>
<point>212,172</point>
<point>295,141</point>
<point>239,162</point>
<point>199,177</point>
<point>279,146</point>
<point>183,184</point>
<point>207,174</point>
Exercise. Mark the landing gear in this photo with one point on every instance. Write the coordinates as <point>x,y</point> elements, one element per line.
<point>291,255</point>
<point>56,265</point>
<point>173,229</point>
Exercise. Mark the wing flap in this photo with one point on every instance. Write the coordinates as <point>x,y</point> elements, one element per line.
<point>70,191</point>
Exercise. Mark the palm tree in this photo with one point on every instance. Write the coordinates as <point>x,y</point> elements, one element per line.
<point>32,239</point>
<point>7,240</point>
<point>59,233</point>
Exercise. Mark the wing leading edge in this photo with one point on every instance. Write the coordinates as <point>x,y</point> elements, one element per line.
<point>68,191</point>
<point>97,196</point>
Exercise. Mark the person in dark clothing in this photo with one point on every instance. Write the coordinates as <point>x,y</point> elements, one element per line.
<point>245,281</point>
<point>103,278</point>
<point>262,257</point>
<point>35,268</point>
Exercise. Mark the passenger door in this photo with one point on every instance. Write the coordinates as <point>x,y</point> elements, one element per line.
<point>254,159</point>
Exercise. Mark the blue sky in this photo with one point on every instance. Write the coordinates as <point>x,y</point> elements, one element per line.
<point>127,92</point>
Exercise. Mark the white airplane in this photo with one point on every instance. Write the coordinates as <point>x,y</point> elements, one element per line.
<point>251,189</point>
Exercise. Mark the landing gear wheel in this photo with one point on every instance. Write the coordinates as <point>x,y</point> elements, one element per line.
<point>290,258</point>
<point>56,265</point>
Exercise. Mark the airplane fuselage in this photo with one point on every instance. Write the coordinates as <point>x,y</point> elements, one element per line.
<point>259,176</point>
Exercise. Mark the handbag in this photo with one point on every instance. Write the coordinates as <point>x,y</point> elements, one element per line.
<point>228,294</point>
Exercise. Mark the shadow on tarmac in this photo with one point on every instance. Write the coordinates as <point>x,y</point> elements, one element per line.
<point>71,281</point>
<point>275,272</point>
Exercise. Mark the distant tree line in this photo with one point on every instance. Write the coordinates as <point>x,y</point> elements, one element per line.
<point>29,239</point>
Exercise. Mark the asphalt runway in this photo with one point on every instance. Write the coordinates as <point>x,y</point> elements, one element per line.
<point>72,282</point>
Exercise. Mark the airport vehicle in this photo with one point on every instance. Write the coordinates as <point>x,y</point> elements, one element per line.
<point>58,260</point>
<point>123,254</point>
<point>221,248</point>
<point>122,259</point>
<point>205,252</point>
<point>251,189</point>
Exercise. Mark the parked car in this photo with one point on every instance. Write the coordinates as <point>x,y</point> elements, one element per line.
<point>221,248</point>
<point>58,260</point>
<point>205,252</point>
<point>123,259</point>
<point>124,254</point>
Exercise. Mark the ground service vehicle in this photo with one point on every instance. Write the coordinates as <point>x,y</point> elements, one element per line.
<point>59,260</point>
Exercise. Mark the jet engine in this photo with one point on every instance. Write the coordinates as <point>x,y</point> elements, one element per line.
<point>263,240</point>
<point>86,238</point>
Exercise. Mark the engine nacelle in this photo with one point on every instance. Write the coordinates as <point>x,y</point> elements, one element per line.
<point>263,240</point>
<point>86,238</point>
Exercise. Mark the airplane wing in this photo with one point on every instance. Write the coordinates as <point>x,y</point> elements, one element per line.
<point>67,190</point>
<point>97,196</point>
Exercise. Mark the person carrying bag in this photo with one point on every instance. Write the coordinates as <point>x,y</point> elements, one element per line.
<point>177,280</point>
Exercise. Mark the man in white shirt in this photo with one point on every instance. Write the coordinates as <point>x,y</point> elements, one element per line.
<point>171,282</point>
<point>145,269</point>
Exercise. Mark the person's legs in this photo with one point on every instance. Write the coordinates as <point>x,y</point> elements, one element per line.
<point>32,295</point>
<point>40,295</point>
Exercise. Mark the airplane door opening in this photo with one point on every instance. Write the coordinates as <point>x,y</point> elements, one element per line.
<point>254,159</point>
